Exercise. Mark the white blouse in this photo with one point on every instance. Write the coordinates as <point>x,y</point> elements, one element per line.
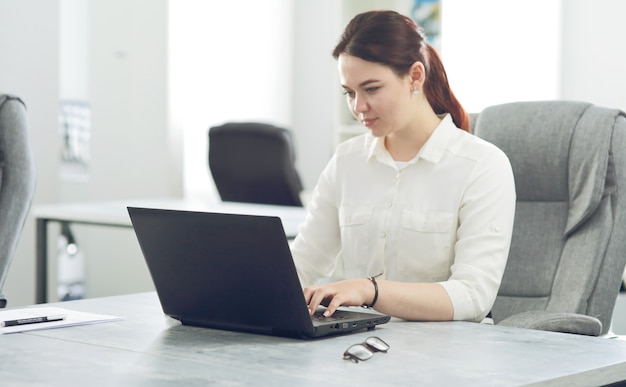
<point>445,217</point>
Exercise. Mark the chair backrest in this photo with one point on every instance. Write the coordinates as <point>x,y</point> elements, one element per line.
<point>254,163</point>
<point>568,249</point>
<point>17,179</point>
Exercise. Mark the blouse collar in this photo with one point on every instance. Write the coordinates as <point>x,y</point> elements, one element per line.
<point>432,151</point>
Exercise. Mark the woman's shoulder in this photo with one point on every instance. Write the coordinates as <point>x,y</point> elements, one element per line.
<point>471,146</point>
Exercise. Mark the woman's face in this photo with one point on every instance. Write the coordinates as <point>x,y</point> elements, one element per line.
<point>376,96</point>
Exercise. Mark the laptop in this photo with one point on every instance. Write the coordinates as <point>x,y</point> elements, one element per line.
<point>232,272</point>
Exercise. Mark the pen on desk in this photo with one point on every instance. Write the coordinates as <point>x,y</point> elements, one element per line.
<point>32,320</point>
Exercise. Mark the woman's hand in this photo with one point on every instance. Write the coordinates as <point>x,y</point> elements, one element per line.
<point>353,292</point>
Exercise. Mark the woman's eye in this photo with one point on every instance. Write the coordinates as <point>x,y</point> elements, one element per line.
<point>348,93</point>
<point>371,89</point>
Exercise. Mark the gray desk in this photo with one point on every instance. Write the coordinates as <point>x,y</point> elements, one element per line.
<point>150,349</point>
<point>114,214</point>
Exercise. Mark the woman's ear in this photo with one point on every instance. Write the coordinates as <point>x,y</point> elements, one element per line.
<point>417,73</point>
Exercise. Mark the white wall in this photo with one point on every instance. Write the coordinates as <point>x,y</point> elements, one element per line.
<point>499,51</point>
<point>315,84</point>
<point>593,58</point>
<point>73,49</point>
<point>129,96</point>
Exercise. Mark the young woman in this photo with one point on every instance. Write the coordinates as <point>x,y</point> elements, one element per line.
<point>413,218</point>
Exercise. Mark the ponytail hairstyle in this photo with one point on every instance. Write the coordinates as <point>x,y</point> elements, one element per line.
<point>396,41</point>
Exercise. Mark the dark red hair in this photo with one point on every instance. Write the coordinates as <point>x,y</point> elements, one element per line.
<point>396,41</point>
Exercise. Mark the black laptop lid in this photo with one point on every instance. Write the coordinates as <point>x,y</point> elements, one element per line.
<point>223,271</point>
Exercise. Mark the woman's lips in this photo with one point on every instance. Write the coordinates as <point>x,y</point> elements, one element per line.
<point>369,122</point>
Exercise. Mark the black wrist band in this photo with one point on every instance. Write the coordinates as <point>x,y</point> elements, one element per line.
<point>373,279</point>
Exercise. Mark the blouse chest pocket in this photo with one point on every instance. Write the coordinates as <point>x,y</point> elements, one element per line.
<point>354,215</point>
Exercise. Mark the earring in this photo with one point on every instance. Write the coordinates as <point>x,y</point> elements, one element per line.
<point>415,92</point>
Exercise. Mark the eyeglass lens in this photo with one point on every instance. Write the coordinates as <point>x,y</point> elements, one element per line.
<point>365,350</point>
<point>377,344</point>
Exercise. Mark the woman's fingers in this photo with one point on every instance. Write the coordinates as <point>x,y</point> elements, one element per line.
<point>332,296</point>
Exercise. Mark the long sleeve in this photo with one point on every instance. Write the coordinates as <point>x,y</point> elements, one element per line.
<point>318,243</point>
<point>483,237</point>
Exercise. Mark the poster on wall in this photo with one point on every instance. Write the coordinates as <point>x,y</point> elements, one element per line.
<point>75,132</point>
<point>427,13</point>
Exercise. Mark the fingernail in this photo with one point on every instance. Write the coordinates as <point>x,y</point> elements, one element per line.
<point>326,313</point>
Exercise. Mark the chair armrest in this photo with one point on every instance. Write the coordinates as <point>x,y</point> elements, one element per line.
<point>555,322</point>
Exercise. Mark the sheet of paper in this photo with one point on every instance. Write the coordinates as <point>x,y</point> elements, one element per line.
<point>72,318</point>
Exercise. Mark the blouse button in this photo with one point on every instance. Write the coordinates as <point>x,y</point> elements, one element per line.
<point>383,235</point>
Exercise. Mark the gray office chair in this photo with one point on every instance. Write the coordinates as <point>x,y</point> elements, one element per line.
<point>569,239</point>
<point>254,163</point>
<point>17,179</point>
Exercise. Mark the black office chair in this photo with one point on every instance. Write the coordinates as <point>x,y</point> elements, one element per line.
<point>254,163</point>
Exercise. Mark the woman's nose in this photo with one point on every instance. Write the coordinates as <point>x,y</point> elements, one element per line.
<point>360,104</point>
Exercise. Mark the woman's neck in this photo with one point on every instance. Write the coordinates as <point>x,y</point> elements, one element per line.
<point>404,145</point>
